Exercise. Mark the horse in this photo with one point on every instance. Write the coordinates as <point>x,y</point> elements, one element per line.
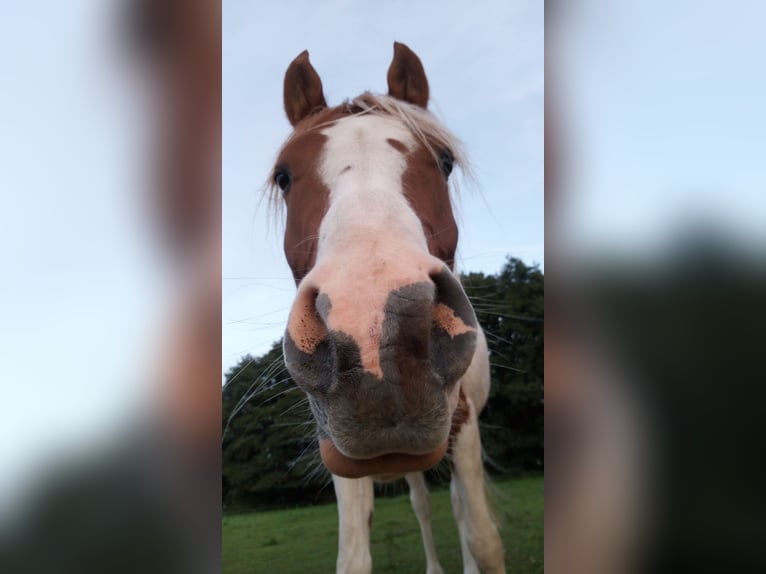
<point>381,335</point>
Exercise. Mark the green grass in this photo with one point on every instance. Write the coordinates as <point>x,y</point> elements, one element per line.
<point>305,540</point>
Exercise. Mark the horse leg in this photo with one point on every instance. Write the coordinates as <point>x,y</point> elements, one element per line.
<point>421,504</point>
<point>355,505</point>
<point>458,509</point>
<point>478,532</point>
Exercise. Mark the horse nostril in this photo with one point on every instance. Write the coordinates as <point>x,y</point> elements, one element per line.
<point>322,305</point>
<point>306,327</point>
<point>316,356</point>
<point>450,294</point>
<point>453,338</point>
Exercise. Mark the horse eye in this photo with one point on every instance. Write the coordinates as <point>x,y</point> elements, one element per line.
<point>445,163</point>
<point>282,179</point>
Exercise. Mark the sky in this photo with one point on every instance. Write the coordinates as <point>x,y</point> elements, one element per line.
<point>82,282</point>
<point>663,121</point>
<point>485,66</point>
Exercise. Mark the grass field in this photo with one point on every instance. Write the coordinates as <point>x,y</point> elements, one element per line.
<point>305,540</point>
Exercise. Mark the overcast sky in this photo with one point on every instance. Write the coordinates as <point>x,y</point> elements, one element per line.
<point>662,105</point>
<point>484,61</point>
<point>82,275</point>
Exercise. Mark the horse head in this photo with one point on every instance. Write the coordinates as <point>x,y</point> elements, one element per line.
<point>381,331</point>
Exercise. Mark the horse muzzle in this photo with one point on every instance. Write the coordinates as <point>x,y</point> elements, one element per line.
<point>382,379</point>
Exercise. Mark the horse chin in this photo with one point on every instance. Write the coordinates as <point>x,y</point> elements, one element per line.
<point>386,467</point>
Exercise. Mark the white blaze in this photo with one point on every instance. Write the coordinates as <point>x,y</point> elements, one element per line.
<point>371,242</point>
<point>363,172</point>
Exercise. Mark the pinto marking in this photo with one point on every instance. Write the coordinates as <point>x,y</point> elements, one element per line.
<point>381,335</point>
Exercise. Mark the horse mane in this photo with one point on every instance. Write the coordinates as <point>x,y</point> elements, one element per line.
<point>423,124</point>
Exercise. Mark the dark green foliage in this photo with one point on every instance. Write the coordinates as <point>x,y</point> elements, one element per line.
<point>509,307</point>
<point>270,456</point>
<point>269,448</point>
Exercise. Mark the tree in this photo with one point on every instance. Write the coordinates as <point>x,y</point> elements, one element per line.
<point>269,448</point>
<point>509,307</point>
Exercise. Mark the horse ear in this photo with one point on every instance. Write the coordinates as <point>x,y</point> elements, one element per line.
<point>303,89</point>
<point>406,77</point>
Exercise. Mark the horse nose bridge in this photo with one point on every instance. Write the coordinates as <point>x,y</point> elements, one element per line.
<point>367,264</point>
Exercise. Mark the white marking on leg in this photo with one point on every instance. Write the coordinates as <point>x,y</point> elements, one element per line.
<point>421,504</point>
<point>355,506</point>
<point>481,534</point>
<point>469,564</point>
